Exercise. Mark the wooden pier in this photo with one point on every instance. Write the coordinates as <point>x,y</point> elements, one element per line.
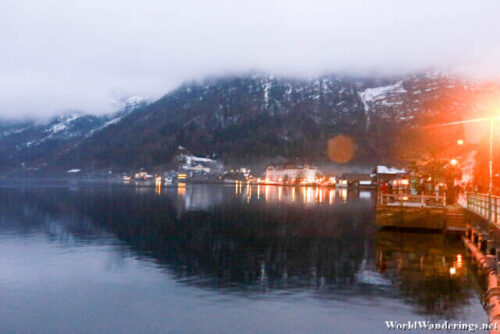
<point>477,218</point>
<point>431,212</point>
<point>418,212</point>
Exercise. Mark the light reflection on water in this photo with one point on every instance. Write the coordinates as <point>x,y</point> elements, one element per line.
<point>201,196</point>
<point>205,258</point>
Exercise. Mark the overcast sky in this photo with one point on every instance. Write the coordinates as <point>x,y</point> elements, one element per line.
<point>59,55</point>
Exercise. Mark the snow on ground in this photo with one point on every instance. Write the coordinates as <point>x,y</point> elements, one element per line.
<point>135,100</point>
<point>381,96</point>
<point>368,275</point>
<point>130,104</point>
<point>378,94</point>
<point>113,121</point>
<point>267,86</point>
<point>63,123</point>
<point>15,131</point>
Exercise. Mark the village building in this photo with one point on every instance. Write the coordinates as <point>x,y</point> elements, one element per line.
<point>291,174</point>
<point>385,174</point>
<point>142,175</point>
<point>355,180</point>
<point>198,166</point>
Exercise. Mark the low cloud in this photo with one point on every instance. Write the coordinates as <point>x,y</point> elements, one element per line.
<point>70,54</point>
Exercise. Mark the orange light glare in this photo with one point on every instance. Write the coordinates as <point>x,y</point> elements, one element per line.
<point>341,149</point>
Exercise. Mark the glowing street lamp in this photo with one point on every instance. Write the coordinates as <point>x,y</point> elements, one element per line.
<point>453,271</point>
<point>491,120</point>
<point>453,162</point>
<point>460,142</point>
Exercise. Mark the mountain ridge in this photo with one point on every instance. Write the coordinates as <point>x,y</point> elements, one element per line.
<point>254,117</point>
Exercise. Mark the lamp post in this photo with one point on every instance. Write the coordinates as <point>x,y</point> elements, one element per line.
<point>490,174</point>
<point>491,120</point>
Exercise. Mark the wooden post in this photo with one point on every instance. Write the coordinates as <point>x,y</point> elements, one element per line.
<point>484,205</point>
<point>495,208</point>
<point>474,236</point>
<point>498,259</point>
<point>478,206</point>
<point>483,246</point>
<point>491,247</point>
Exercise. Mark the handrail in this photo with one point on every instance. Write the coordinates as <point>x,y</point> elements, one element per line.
<point>480,204</point>
<point>407,200</point>
<point>414,196</point>
<point>482,194</point>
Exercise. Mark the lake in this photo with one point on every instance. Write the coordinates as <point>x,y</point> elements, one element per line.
<point>219,259</point>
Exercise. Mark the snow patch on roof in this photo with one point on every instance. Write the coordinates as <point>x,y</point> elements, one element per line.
<point>389,170</point>
<point>198,159</point>
<point>73,171</point>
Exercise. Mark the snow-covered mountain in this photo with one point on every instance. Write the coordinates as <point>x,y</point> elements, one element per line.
<point>413,96</point>
<point>250,118</point>
<point>32,143</point>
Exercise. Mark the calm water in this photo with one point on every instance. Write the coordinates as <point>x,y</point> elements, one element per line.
<point>218,259</point>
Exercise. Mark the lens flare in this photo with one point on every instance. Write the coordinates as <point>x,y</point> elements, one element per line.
<point>341,149</point>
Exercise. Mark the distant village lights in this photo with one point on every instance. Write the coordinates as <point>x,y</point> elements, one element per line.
<point>295,182</point>
<point>193,169</point>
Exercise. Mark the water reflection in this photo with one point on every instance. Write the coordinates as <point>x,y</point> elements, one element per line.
<point>240,242</point>
<point>250,240</point>
<point>202,196</point>
<point>428,270</point>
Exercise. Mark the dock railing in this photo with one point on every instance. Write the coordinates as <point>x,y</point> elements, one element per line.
<point>406,200</point>
<point>479,204</point>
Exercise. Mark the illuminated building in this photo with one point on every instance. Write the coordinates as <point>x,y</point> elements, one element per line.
<point>386,174</point>
<point>291,174</point>
<point>355,180</point>
<point>142,175</point>
<point>196,166</point>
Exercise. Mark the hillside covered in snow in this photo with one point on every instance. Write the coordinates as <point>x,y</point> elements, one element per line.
<point>247,119</point>
<point>34,144</point>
